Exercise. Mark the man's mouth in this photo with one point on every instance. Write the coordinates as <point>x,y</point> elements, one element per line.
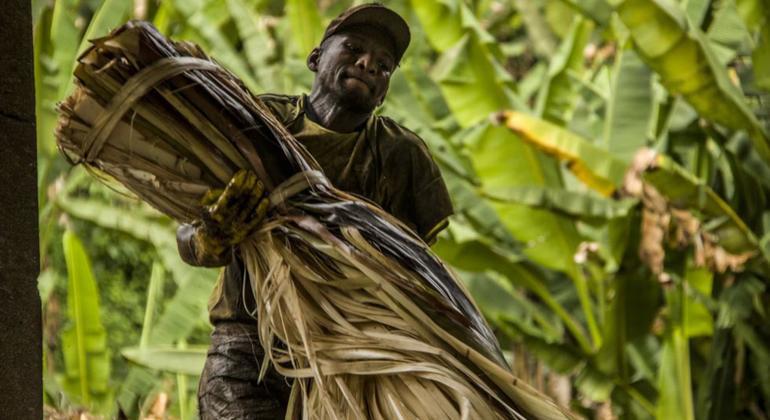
<point>358,79</point>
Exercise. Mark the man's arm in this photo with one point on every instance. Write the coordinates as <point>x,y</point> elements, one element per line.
<point>416,193</point>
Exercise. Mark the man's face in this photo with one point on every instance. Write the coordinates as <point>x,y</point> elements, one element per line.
<point>355,67</point>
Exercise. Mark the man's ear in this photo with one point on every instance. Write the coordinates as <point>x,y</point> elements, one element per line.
<point>312,59</point>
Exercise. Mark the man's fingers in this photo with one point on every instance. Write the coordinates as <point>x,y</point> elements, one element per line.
<point>235,197</point>
<point>211,196</point>
<point>262,209</point>
<point>254,211</point>
<point>257,216</point>
<point>259,188</point>
<point>246,210</point>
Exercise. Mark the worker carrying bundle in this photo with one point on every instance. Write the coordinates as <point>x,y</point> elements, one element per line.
<point>322,213</point>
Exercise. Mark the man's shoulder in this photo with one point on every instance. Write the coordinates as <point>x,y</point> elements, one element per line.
<point>399,138</point>
<point>279,98</point>
<point>284,106</point>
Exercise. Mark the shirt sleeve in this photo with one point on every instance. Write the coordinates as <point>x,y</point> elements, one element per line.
<point>419,196</point>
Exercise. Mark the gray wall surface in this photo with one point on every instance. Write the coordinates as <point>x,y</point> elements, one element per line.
<point>21,390</point>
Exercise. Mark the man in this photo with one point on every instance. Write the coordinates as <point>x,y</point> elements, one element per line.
<point>360,153</point>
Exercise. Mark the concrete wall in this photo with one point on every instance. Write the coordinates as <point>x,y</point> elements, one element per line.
<point>20,318</point>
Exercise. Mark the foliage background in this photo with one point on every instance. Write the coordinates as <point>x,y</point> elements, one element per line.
<point>631,297</point>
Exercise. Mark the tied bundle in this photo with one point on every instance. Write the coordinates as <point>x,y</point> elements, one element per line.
<point>351,303</point>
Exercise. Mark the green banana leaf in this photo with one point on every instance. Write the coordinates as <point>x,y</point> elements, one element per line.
<point>595,167</point>
<point>473,83</point>
<point>557,96</point>
<point>728,29</point>
<point>698,319</point>
<point>84,340</point>
<point>761,59</point>
<point>540,35</point>
<point>696,10</point>
<point>203,25</point>
<point>46,94</point>
<point>65,38</point>
<point>109,15</point>
<point>154,296</point>
<point>469,73</point>
<point>187,361</point>
<point>575,204</point>
<point>502,303</point>
<point>306,27</point>
<point>674,376</point>
<point>183,312</point>
<point>596,10</point>
<point>716,395</point>
<point>688,66</point>
<point>441,20</point>
<point>159,234</point>
<point>628,121</point>
<point>635,301</point>
<point>479,256</point>
<point>258,46</point>
<point>551,240</point>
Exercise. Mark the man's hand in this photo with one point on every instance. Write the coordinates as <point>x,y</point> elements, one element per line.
<point>230,215</point>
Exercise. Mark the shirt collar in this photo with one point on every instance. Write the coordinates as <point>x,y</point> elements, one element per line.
<point>299,112</point>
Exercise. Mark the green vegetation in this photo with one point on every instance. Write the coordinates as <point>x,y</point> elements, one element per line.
<point>623,281</point>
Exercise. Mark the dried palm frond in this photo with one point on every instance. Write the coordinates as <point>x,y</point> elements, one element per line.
<point>368,321</point>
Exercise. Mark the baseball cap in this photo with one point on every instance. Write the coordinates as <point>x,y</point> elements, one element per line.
<point>375,14</point>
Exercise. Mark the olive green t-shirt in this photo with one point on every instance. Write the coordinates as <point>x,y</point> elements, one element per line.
<point>383,162</point>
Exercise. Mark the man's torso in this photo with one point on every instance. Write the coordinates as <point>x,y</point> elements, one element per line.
<point>382,162</point>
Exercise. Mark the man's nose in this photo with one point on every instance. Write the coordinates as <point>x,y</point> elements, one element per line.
<point>365,63</point>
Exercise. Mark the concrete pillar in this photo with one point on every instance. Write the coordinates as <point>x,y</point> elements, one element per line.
<point>21,388</point>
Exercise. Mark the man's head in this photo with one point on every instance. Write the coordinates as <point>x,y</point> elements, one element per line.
<point>360,50</point>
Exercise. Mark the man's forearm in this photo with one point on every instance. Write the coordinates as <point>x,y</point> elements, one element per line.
<point>190,252</point>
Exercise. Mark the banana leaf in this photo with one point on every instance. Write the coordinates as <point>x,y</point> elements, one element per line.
<point>594,166</point>
<point>204,23</point>
<point>182,312</point>
<point>442,21</point>
<point>305,24</point>
<point>109,15</point>
<point>253,31</point>
<point>628,122</point>
<point>674,377</point>
<point>168,359</point>
<point>688,66</point>
<point>596,10</point>
<point>478,256</point>
<point>557,96</point>
<point>543,40</point>
<point>551,239</point>
<point>473,82</point>
<point>84,340</point>
<point>579,205</point>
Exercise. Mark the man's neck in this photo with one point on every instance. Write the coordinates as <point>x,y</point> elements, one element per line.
<point>327,112</point>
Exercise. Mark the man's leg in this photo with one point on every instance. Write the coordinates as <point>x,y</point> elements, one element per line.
<point>229,388</point>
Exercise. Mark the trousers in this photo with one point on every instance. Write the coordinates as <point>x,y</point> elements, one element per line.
<point>229,386</point>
